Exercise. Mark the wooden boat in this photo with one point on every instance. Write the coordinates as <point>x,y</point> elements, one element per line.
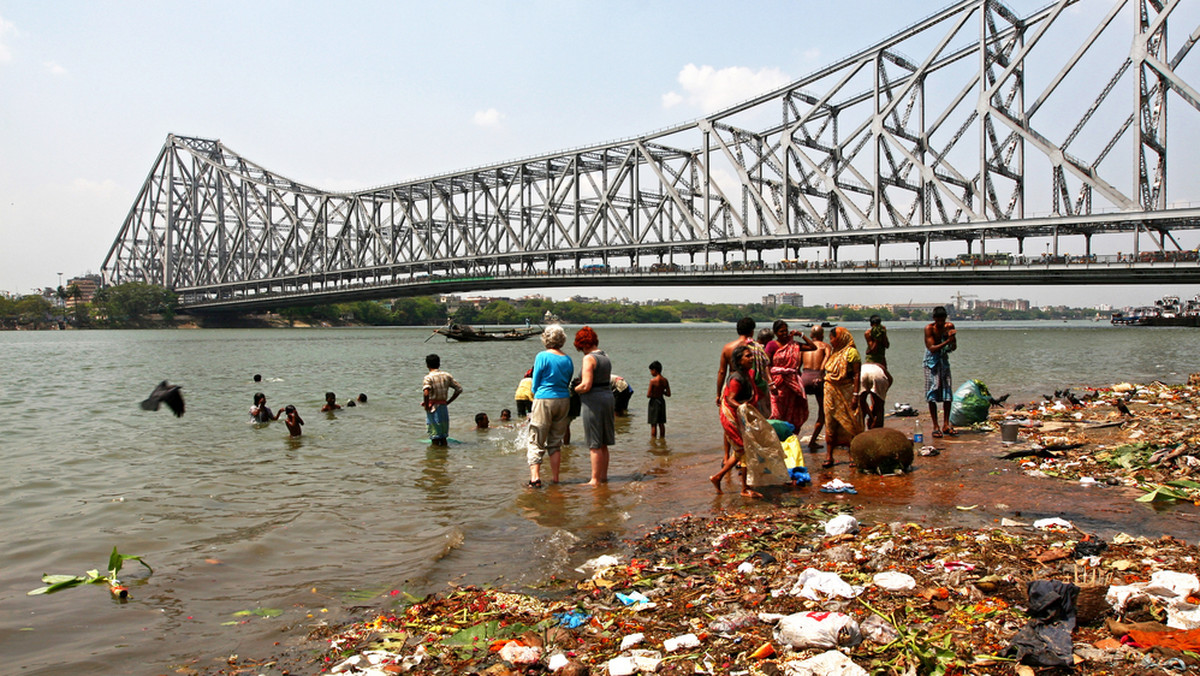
<point>470,334</point>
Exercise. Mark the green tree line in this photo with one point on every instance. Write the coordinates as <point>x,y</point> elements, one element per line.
<point>134,304</point>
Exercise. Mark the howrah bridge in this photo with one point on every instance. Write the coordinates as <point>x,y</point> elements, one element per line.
<point>973,131</point>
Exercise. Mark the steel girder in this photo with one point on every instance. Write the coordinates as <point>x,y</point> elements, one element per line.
<point>880,146</point>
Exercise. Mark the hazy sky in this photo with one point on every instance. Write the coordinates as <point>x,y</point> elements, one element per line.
<point>350,95</point>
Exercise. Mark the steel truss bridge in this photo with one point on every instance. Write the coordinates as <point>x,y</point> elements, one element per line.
<point>973,126</point>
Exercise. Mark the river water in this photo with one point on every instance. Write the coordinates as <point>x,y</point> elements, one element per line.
<point>236,517</point>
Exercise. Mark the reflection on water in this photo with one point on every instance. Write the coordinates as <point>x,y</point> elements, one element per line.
<point>235,516</point>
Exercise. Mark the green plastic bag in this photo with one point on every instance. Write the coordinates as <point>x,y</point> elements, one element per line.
<point>970,404</point>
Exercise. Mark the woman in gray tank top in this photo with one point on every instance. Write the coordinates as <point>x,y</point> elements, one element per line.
<point>596,399</point>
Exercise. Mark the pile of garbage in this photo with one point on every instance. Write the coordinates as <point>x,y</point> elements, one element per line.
<point>810,590</point>
<point>1146,436</point>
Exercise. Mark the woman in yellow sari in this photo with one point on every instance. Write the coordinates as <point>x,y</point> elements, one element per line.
<point>842,422</point>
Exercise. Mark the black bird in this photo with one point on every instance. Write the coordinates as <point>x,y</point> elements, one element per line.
<point>997,402</point>
<point>167,394</point>
<point>1122,407</point>
<point>1074,400</point>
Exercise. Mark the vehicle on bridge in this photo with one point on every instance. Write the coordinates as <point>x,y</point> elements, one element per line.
<point>984,259</point>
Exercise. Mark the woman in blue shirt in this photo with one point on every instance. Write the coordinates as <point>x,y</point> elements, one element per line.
<point>552,370</point>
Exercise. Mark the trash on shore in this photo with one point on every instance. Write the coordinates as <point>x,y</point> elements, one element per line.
<point>1143,436</point>
<point>889,598</point>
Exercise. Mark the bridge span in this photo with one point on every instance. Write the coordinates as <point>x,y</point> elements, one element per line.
<point>945,137</point>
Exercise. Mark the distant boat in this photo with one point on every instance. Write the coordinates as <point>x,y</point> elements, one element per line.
<point>470,334</point>
<point>1167,311</point>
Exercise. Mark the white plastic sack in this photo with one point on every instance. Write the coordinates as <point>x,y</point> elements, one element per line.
<point>621,666</point>
<point>894,581</point>
<point>818,585</point>
<point>765,465</point>
<point>631,640</point>
<point>1053,522</point>
<point>830,663</point>
<point>1183,616</point>
<point>646,661</point>
<point>841,524</point>
<point>1172,586</point>
<point>598,564</point>
<point>818,629</point>
<point>682,641</point>
<point>557,661</point>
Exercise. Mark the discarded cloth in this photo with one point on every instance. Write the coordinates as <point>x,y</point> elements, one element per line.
<point>837,486</point>
<point>1046,640</point>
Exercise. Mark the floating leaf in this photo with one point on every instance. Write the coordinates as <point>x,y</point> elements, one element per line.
<point>261,612</point>
<point>116,560</point>
<point>1162,493</point>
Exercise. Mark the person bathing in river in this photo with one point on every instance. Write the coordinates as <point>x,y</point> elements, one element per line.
<point>877,345</point>
<point>789,402</point>
<point>941,339</point>
<point>293,420</point>
<point>260,412</point>
<point>739,390</point>
<point>523,397</point>
<point>596,402</point>
<point>842,419</point>
<point>330,403</point>
<point>548,420</point>
<point>656,411</point>
<point>812,375</point>
<point>436,399</point>
<point>482,422</point>
<point>759,371</point>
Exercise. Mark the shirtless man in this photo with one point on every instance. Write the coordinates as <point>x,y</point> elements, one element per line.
<point>812,374</point>
<point>940,340</point>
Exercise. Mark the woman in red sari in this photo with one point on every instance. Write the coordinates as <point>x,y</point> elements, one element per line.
<point>739,390</point>
<point>789,402</point>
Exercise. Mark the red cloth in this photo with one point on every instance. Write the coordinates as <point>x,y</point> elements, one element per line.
<point>788,399</point>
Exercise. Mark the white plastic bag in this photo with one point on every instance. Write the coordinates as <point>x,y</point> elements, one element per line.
<point>818,585</point>
<point>818,629</point>
<point>831,663</point>
<point>894,581</point>
<point>841,524</point>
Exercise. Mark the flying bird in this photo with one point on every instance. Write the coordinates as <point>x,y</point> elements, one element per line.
<point>167,394</point>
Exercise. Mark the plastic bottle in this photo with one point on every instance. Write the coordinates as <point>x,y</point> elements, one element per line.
<point>918,432</point>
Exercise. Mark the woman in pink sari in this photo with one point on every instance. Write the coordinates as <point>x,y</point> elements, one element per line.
<point>788,399</point>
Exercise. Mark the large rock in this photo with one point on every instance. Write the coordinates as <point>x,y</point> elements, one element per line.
<point>883,450</point>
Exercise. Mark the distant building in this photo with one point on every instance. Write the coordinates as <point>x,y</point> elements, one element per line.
<point>1002,304</point>
<point>88,285</point>
<point>915,308</point>
<point>783,299</point>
